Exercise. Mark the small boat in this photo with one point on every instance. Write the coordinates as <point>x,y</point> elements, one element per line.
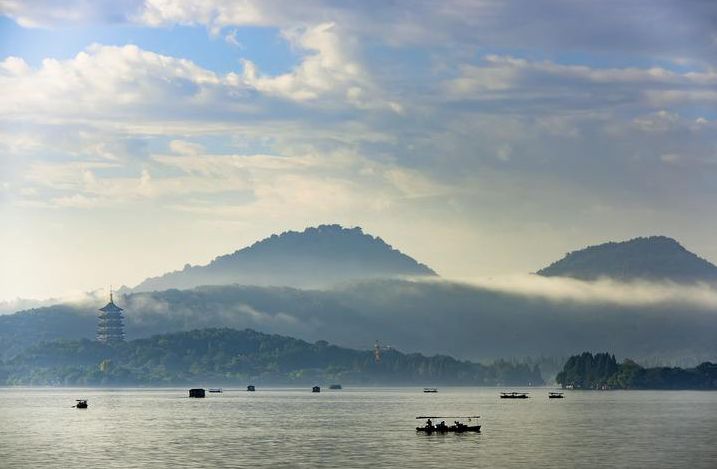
<point>215,390</point>
<point>251,388</point>
<point>196,392</point>
<point>316,389</point>
<point>335,386</point>
<point>430,389</point>
<point>514,395</point>
<point>457,427</point>
<point>555,395</point>
<point>81,404</point>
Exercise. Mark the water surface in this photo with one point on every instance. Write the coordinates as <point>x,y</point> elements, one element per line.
<point>354,427</point>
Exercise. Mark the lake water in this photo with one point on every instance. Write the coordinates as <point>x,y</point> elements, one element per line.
<point>354,427</point>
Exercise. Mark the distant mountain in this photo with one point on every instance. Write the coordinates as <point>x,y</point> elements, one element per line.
<point>314,258</point>
<point>651,258</point>
<point>227,356</point>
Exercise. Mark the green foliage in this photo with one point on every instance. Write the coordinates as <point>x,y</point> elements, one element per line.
<point>586,371</point>
<point>601,371</point>
<point>231,356</point>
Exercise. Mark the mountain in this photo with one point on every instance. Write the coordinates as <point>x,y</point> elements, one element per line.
<point>651,258</point>
<point>314,258</point>
<point>227,356</point>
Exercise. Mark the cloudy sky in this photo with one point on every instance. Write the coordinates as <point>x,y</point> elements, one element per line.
<point>481,137</point>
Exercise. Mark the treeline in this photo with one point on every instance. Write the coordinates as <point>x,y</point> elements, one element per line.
<point>228,356</point>
<point>601,371</point>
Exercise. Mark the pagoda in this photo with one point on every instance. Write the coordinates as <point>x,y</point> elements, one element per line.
<point>110,329</point>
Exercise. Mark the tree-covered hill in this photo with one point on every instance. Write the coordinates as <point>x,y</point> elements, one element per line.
<point>650,258</point>
<point>601,371</point>
<point>431,317</point>
<point>227,356</point>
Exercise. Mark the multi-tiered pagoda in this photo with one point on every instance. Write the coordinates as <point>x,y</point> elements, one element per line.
<point>110,329</point>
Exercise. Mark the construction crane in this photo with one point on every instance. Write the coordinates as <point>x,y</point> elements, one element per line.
<point>378,348</point>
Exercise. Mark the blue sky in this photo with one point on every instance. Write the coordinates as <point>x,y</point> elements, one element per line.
<point>480,137</point>
<point>262,45</point>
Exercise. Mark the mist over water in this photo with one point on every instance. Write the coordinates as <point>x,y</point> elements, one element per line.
<point>356,427</point>
<point>484,319</point>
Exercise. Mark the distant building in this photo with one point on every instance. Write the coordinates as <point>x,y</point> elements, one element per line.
<point>110,329</point>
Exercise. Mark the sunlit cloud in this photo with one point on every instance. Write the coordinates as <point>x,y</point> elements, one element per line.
<point>603,291</point>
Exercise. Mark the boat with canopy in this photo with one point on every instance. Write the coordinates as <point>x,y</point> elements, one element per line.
<point>458,425</point>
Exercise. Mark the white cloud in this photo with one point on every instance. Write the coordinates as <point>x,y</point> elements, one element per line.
<point>683,33</point>
<point>607,291</point>
<point>549,25</point>
<point>183,147</point>
<point>246,184</point>
<point>134,88</point>
<point>339,180</point>
<point>659,121</point>
<point>48,13</point>
<point>510,79</point>
<point>210,13</point>
<point>330,67</point>
<point>231,38</point>
<point>107,82</point>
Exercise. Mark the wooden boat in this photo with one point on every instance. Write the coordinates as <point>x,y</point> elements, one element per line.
<point>555,395</point>
<point>450,429</point>
<point>81,404</point>
<point>430,389</point>
<point>514,395</point>
<point>251,388</point>
<point>215,390</point>
<point>457,427</point>
<point>316,389</point>
<point>335,386</point>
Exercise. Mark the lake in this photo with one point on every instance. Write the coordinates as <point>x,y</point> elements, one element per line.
<point>354,427</point>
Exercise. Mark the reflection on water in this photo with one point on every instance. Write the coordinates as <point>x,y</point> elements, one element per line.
<point>359,427</point>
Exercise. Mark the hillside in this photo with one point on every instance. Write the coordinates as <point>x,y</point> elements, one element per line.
<point>227,356</point>
<point>651,258</point>
<point>314,258</point>
<point>432,317</point>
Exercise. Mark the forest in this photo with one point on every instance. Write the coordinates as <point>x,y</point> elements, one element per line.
<point>228,356</point>
<point>602,371</point>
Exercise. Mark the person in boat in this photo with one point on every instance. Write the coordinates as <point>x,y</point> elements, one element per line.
<point>442,426</point>
<point>429,424</point>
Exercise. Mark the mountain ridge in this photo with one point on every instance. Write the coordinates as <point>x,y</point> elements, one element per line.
<point>314,258</point>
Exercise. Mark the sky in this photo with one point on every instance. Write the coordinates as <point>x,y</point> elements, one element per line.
<point>480,137</point>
